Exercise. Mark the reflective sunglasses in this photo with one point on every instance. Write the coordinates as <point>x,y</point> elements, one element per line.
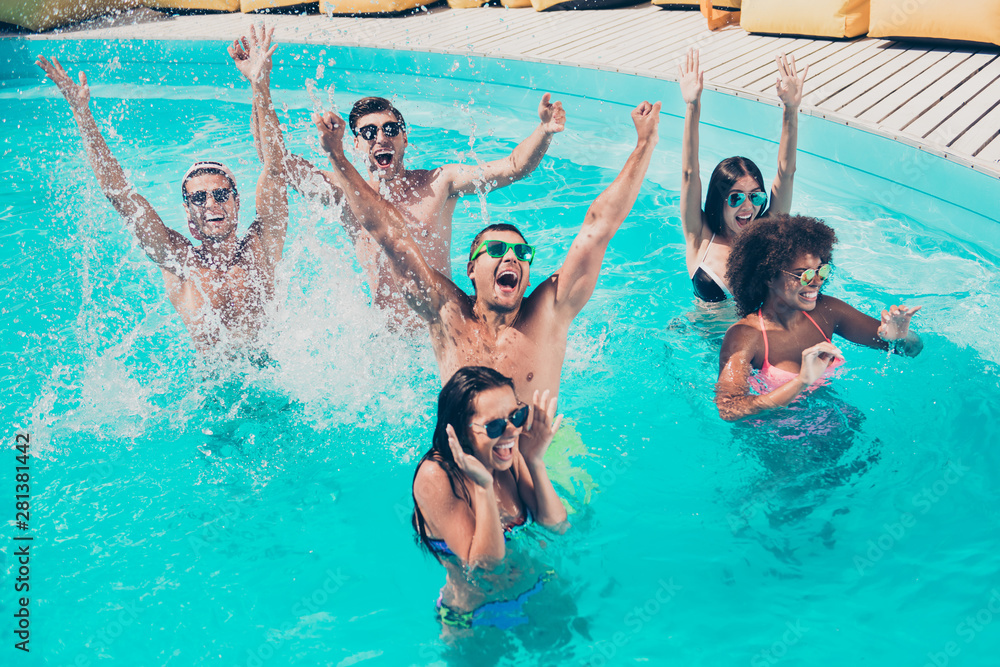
<point>495,428</point>
<point>390,129</point>
<point>200,198</point>
<point>807,276</point>
<point>497,249</point>
<point>735,199</point>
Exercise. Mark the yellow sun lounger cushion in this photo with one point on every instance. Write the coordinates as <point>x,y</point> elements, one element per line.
<point>214,5</point>
<point>47,14</point>
<point>815,18</point>
<point>369,6</point>
<point>258,5</point>
<point>969,21</point>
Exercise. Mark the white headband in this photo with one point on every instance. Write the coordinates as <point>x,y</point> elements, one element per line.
<point>208,164</point>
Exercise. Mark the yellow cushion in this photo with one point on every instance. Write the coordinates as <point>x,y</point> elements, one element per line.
<point>815,18</point>
<point>257,5</point>
<point>514,4</point>
<point>969,20</point>
<point>466,4</point>
<point>216,5</point>
<point>369,6</point>
<point>46,14</point>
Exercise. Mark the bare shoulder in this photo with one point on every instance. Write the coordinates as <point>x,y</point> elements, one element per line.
<point>431,485</point>
<point>542,299</point>
<point>743,336</point>
<point>426,176</point>
<point>832,309</point>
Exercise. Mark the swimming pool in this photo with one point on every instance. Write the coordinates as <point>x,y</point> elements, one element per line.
<point>193,513</point>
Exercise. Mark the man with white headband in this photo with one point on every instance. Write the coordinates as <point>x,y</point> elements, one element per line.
<point>220,287</point>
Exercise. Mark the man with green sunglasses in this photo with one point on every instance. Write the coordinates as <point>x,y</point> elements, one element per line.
<point>426,197</point>
<point>523,337</point>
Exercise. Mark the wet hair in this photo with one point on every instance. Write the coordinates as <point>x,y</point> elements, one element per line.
<point>769,246</point>
<point>498,227</point>
<point>723,178</point>
<point>456,405</point>
<point>367,105</point>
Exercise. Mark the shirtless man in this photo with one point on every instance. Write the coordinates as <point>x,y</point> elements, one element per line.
<point>219,288</point>
<point>523,338</point>
<point>425,197</point>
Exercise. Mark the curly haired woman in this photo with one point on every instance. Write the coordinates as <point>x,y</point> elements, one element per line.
<point>782,346</point>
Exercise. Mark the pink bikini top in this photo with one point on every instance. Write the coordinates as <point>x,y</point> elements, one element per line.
<point>769,377</point>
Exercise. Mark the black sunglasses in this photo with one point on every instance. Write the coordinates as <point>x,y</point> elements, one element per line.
<point>496,427</point>
<point>390,129</point>
<point>199,198</point>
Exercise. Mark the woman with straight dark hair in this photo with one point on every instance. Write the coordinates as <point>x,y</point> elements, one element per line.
<point>481,483</point>
<point>736,195</point>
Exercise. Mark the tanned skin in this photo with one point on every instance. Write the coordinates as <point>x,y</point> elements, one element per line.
<point>523,338</point>
<point>219,288</point>
<point>425,198</point>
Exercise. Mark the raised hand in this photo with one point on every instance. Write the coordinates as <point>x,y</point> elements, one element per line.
<point>646,117</point>
<point>253,57</point>
<point>815,361</point>
<point>691,78</point>
<point>790,82</point>
<point>467,463</point>
<point>78,95</point>
<point>553,116</point>
<point>331,133</point>
<point>542,424</point>
<point>896,322</point>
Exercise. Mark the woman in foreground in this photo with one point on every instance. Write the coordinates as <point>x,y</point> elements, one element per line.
<point>783,346</point>
<point>482,481</point>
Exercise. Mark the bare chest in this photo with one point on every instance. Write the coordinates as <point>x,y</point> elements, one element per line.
<point>213,299</point>
<point>531,362</point>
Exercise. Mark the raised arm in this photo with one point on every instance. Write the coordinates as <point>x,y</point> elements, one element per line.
<point>522,161</point>
<point>253,59</point>
<point>579,273</point>
<point>307,179</point>
<point>164,246</point>
<point>733,397</point>
<point>533,484</point>
<point>426,290</point>
<point>790,85</point>
<point>692,82</point>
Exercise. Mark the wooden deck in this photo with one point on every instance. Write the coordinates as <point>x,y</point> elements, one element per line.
<point>943,99</point>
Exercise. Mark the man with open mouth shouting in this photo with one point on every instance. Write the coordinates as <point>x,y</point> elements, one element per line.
<point>426,198</point>
<point>219,288</point>
<point>523,338</point>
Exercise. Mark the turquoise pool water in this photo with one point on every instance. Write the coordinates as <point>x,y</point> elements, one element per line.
<point>193,513</point>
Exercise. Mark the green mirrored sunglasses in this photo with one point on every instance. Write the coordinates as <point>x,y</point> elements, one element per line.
<point>497,249</point>
<point>807,276</point>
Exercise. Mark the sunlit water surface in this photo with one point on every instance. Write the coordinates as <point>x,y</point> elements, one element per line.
<point>191,511</point>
